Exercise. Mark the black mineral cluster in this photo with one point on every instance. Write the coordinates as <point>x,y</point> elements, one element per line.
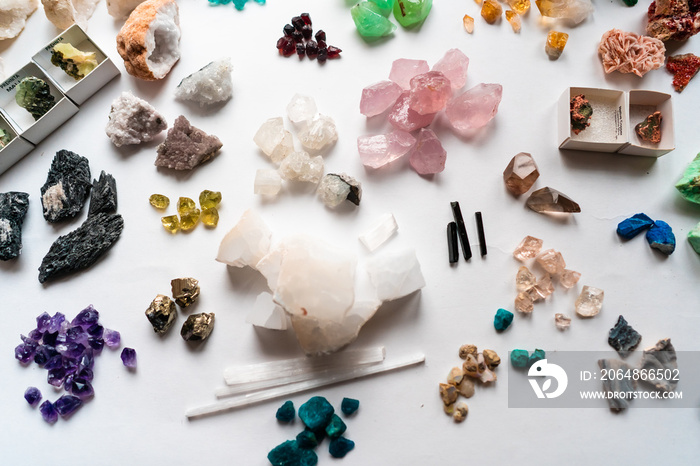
<point>67,186</point>
<point>13,208</point>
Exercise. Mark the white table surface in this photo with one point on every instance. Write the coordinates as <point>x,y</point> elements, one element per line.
<point>139,417</point>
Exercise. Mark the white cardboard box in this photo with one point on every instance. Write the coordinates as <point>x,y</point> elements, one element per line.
<point>640,105</point>
<point>15,149</point>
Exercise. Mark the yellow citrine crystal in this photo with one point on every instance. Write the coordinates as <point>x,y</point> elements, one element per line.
<point>513,19</point>
<point>556,41</point>
<point>159,201</point>
<point>210,217</point>
<point>170,223</point>
<point>185,205</point>
<point>468,23</point>
<point>209,199</point>
<point>519,6</point>
<point>491,10</point>
<point>188,220</point>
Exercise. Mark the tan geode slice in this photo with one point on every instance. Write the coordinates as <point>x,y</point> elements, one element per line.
<point>149,41</point>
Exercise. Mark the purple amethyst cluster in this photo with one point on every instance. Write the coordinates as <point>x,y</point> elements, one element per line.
<point>67,351</point>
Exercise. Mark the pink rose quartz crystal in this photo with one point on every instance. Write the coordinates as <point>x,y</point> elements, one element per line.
<point>474,108</point>
<point>379,97</point>
<point>404,69</point>
<point>378,151</point>
<point>403,118</point>
<point>429,93</point>
<point>428,156</point>
<point>454,65</point>
<point>628,52</point>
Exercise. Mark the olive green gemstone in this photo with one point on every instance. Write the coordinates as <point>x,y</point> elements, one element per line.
<point>186,205</point>
<point>410,13</point>
<point>210,217</point>
<point>34,95</point>
<point>369,20</point>
<point>189,220</point>
<point>689,185</point>
<point>159,201</point>
<point>171,223</point>
<point>209,199</point>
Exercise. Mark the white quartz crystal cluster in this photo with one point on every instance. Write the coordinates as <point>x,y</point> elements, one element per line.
<point>210,85</point>
<point>133,121</point>
<point>324,291</point>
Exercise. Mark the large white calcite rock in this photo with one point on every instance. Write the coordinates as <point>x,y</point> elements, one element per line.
<point>209,85</point>
<point>121,8</point>
<point>246,243</point>
<point>395,274</point>
<point>266,314</point>
<point>270,264</point>
<point>13,16</point>
<point>275,141</point>
<point>133,121</point>
<point>63,13</point>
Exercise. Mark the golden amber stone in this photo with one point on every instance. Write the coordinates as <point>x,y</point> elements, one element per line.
<point>468,23</point>
<point>556,41</point>
<point>171,223</point>
<point>185,205</point>
<point>210,217</point>
<point>159,201</point>
<point>491,10</point>
<point>478,2</point>
<point>209,199</point>
<point>513,19</point>
<point>519,6</point>
<point>188,220</point>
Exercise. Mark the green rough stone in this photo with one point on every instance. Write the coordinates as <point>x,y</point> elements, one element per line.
<point>349,406</point>
<point>340,447</point>
<point>290,453</point>
<point>689,185</point>
<point>336,427</point>
<point>536,355</point>
<point>411,13</point>
<point>316,413</point>
<point>519,358</point>
<point>694,238</point>
<point>286,412</point>
<point>502,319</point>
<point>307,439</point>
<point>34,95</point>
<point>369,20</point>
<point>384,5</point>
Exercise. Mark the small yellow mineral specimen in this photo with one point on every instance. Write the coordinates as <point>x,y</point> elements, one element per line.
<point>185,205</point>
<point>209,199</point>
<point>188,220</point>
<point>514,20</point>
<point>468,23</point>
<point>210,217</point>
<point>491,10</point>
<point>171,223</point>
<point>556,41</point>
<point>159,201</point>
<point>519,6</point>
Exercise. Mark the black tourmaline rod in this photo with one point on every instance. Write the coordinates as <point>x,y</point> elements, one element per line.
<point>461,230</point>
<point>480,232</point>
<point>452,242</point>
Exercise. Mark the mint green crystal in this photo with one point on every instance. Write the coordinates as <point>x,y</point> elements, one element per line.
<point>385,5</point>
<point>369,20</point>
<point>34,95</point>
<point>689,185</point>
<point>694,238</point>
<point>411,13</point>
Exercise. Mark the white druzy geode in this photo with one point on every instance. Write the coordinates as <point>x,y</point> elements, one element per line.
<point>209,85</point>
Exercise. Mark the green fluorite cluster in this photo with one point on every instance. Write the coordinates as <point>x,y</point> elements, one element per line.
<point>34,95</point>
<point>371,17</point>
<point>689,185</point>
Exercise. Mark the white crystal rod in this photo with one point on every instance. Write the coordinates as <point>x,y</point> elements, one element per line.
<point>380,232</point>
<point>292,367</point>
<point>279,392</point>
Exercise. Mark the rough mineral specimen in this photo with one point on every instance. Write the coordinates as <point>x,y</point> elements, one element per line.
<point>34,95</point>
<point>568,278</point>
<point>48,412</point>
<point>369,20</point>
<point>628,52</point>
<point>428,156</point>
<point>67,186</point>
<point>474,108</point>
<point>395,274</point>
<point>544,287</point>
<point>128,358</point>
<point>291,453</point>
<point>133,121</point>
<point>405,69</point>
<point>274,140</point>
<point>349,406</point>
<point>589,302</point>
<point>198,327</point>
<point>429,93</point>
<point>103,196</point>
<point>661,357</point>
<point>210,217</point>
<point>673,19</point>
<point>336,188</point>
<point>660,236</point>
<point>378,151</point>
<point>67,405</point>
<point>316,413</point>
<point>519,6</point>
<point>491,11</point>
<point>63,13</point>
<point>581,111</point>
<point>561,321</point>
<point>32,395</point>
<point>536,355</point>
<point>265,313</point>
<point>75,63</point>
<point>548,200</point>
<point>554,46</point>
<point>572,10</point>
<point>185,146</point>
<point>502,319</point>
<point>81,248</point>
<point>149,41</point>
<point>171,223</point>
<point>286,412</point>
<point>551,261</point>
<point>209,85</point>
<point>301,108</point>
<point>524,279</point>
<point>514,20</point>
<point>161,313</point>
<point>631,227</point>
<point>246,243</point>
<point>528,248</point>
<point>460,412</point>
<point>448,393</point>
<point>468,23</point>
<point>520,174</point>
<point>689,184</point>
<point>267,182</point>
<point>683,67</point>
<point>623,337</point>
<point>209,199</point>
<point>335,427</point>
<point>410,13</point>
<point>403,118</point>
<point>454,65</point>
<point>519,358</point>
<point>185,290</point>
<point>13,209</point>
<point>300,166</point>
<point>379,233</point>
<point>341,446</point>
<point>649,130</point>
<point>379,97</point>
<point>318,133</point>
<point>307,440</point>
<point>120,9</point>
<point>112,338</point>
<point>694,238</point>
<point>622,386</point>
<point>14,14</point>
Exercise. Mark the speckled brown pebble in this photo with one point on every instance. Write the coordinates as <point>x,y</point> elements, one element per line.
<point>491,358</point>
<point>448,393</point>
<point>464,350</point>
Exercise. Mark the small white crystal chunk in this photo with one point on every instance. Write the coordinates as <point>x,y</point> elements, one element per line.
<point>336,188</point>
<point>121,8</point>
<point>209,85</point>
<point>301,108</point>
<point>380,232</point>
<point>63,13</point>
<point>395,274</point>
<point>267,182</point>
<point>300,166</point>
<point>274,140</point>
<point>318,133</point>
<point>246,243</point>
<point>589,302</point>
<point>133,121</point>
<point>13,16</point>
<point>267,314</point>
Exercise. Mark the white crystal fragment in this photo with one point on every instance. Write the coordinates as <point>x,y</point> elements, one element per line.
<point>209,85</point>
<point>322,381</point>
<point>13,16</point>
<point>274,140</point>
<point>246,243</point>
<point>63,13</point>
<point>561,321</point>
<point>300,166</point>
<point>336,188</point>
<point>589,302</point>
<point>301,108</point>
<point>380,232</point>
<point>270,264</point>
<point>267,182</point>
<point>133,121</point>
<point>318,133</point>
<point>267,314</point>
<point>395,274</point>
<point>53,199</point>
<point>120,9</point>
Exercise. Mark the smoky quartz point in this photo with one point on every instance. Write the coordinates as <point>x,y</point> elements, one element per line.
<point>549,200</point>
<point>161,314</point>
<point>185,290</point>
<point>198,327</point>
<point>67,186</point>
<point>13,208</point>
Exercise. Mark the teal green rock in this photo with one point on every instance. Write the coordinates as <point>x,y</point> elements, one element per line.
<point>340,447</point>
<point>34,95</point>
<point>307,439</point>
<point>336,427</point>
<point>519,358</point>
<point>410,13</point>
<point>694,238</point>
<point>689,185</point>
<point>286,412</point>
<point>290,453</point>
<point>316,413</point>
<point>349,406</point>
<point>385,5</point>
<point>536,355</point>
<point>502,319</point>
<point>369,20</point>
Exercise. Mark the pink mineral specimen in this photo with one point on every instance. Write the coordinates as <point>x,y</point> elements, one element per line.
<point>673,19</point>
<point>628,52</point>
<point>474,108</point>
<point>378,151</point>
<point>429,92</point>
<point>403,118</point>
<point>377,98</point>
<point>428,156</point>
<point>404,69</point>
<point>454,65</point>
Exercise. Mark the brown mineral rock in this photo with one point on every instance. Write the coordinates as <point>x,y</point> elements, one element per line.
<point>520,174</point>
<point>649,130</point>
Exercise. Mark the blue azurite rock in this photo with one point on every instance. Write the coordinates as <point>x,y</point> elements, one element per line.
<point>316,413</point>
<point>536,355</point>
<point>307,439</point>
<point>631,227</point>
<point>623,337</point>
<point>349,406</point>
<point>336,427</point>
<point>502,320</point>
<point>519,358</point>
<point>286,412</point>
<point>660,236</point>
<point>290,454</point>
<point>340,447</point>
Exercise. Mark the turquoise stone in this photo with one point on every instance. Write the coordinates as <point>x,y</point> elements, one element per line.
<point>290,454</point>
<point>411,13</point>
<point>384,5</point>
<point>369,20</point>
<point>286,412</point>
<point>307,439</point>
<point>689,185</point>
<point>336,427</point>
<point>349,406</point>
<point>693,239</point>
<point>316,413</point>
<point>340,447</point>
<point>536,355</point>
<point>502,320</point>
<point>519,358</point>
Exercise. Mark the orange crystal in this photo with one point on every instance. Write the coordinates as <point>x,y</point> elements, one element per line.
<point>519,6</point>
<point>491,10</point>
<point>513,19</point>
<point>556,41</point>
<point>468,23</point>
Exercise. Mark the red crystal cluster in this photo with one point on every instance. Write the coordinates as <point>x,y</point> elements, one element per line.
<point>683,67</point>
<point>673,19</point>
<point>298,39</point>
